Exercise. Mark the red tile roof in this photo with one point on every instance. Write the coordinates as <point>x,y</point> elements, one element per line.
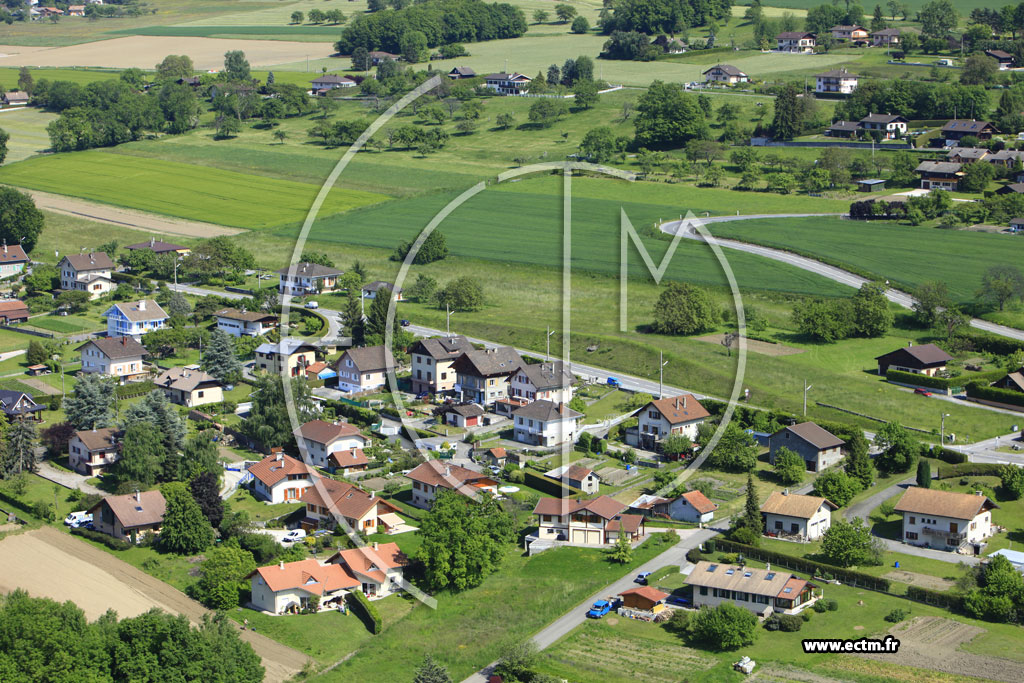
<point>326,432</point>
<point>370,561</point>
<point>309,575</point>
<point>680,409</point>
<point>349,458</point>
<point>649,592</point>
<point>453,477</point>
<point>345,499</point>
<point>274,468</point>
<point>699,502</point>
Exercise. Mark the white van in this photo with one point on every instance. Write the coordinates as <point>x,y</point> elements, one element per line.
<point>293,536</point>
<point>77,519</point>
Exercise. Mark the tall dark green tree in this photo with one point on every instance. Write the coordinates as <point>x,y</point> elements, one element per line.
<point>198,457</point>
<point>185,530</point>
<point>205,491</point>
<point>924,474</point>
<point>377,314</point>
<point>858,462</point>
<point>219,359</point>
<point>20,454</point>
<point>92,405</point>
<point>268,420</point>
<point>871,314</point>
<point>751,518</point>
<point>666,117</point>
<point>352,318</point>
<point>684,309</point>
<point>786,123</point>
<point>236,66</point>
<point>20,221</point>
<point>142,456</point>
<point>157,411</point>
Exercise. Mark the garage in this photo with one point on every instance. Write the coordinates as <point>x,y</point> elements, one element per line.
<point>586,536</point>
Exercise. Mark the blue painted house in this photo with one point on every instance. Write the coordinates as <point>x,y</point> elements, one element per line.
<point>134,319</point>
<point>12,260</point>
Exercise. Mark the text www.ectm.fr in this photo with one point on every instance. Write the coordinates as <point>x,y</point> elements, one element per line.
<point>887,645</point>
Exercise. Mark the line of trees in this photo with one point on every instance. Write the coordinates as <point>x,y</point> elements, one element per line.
<point>440,22</point>
<point>664,16</point>
<point>865,314</point>
<point>914,99</point>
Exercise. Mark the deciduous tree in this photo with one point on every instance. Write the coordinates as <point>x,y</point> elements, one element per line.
<point>185,530</point>
<point>684,309</point>
<point>789,467</point>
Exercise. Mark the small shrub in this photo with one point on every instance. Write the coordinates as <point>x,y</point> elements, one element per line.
<point>772,623</point>
<point>727,558</point>
<point>790,623</point>
<point>709,546</point>
<point>832,603</point>
<point>820,606</point>
<point>99,537</point>
<point>693,555</point>
<point>897,615</point>
<point>806,615</point>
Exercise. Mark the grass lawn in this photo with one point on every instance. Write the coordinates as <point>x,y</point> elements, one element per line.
<point>216,196</point>
<point>609,405</point>
<point>258,510</point>
<point>27,128</point>
<point>328,636</point>
<point>466,630</point>
<point>912,255</point>
<point>64,324</point>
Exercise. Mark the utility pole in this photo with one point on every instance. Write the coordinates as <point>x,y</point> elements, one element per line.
<point>547,340</point>
<point>807,387</point>
<point>942,429</point>
<point>448,320</point>
<point>661,374</point>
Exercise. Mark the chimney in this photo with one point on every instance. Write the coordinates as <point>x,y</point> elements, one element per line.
<point>978,493</point>
<point>142,305</point>
<point>447,470</point>
<point>124,341</point>
<point>281,565</point>
<point>138,496</point>
<point>684,401</point>
<point>375,545</point>
<point>785,492</point>
<point>5,246</point>
<point>152,242</point>
<point>767,566</point>
<point>279,457</point>
<point>910,343</point>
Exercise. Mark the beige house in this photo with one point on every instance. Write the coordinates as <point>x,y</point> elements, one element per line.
<point>888,37</point>
<point>329,502</point>
<point>91,452</point>
<point>545,423</point>
<point>86,273</point>
<point>852,33</point>
<point>119,357</point>
<point>945,520</point>
<point>725,73</point>
<point>189,386</point>
<point>658,419</point>
<point>923,359</point>
<point>279,478</point>
<point>430,477</point>
<point>594,522</point>
<point>542,381</point>
<point>836,81</point>
<point>483,375</point>
<point>795,41</point>
<point>818,447</point>
<point>293,587</point>
<point>321,440</point>
<point>291,355</point>
<point>308,278</point>
<point>364,369</point>
<point>762,591</point>
<point>792,515</point>
<point>378,567</point>
<point>130,516</point>
<point>432,363</point>
<point>692,506</point>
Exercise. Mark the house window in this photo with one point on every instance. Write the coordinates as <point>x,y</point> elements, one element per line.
<point>703,590</point>
<point>913,520</point>
<point>911,535</point>
<point>778,524</point>
<point>200,394</point>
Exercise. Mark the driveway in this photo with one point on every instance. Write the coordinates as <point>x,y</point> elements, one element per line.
<point>676,555</point>
<point>71,480</point>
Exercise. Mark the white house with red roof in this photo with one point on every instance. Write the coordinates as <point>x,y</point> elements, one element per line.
<point>577,476</point>
<point>430,477</point>
<point>692,506</point>
<point>292,587</point>
<point>330,501</point>
<point>321,440</point>
<point>279,478</point>
<point>378,567</point>
<point>658,419</point>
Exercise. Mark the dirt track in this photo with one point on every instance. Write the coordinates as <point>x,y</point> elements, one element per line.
<point>48,563</point>
<point>146,51</point>
<point>137,220</point>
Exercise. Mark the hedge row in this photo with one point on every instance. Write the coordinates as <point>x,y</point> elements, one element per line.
<point>949,456</point>
<point>360,416</point>
<point>549,486</point>
<point>938,598</point>
<point>982,390</point>
<point>942,382</point>
<point>368,610</point>
<point>984,341</point>
<point>849,577</point>
<point>100,537</point>
<point>969,469</point>
<point>133,389</point>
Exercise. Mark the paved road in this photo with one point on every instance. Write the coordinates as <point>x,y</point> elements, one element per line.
<point>831,272</point>
<point>561,627</point>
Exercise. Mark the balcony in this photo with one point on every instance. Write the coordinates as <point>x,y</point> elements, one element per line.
<point>944,533</point>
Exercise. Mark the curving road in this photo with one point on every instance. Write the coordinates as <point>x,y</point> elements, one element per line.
<point>823,269</point>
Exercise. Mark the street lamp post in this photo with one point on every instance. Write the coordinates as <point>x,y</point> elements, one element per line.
<point>661,374</point>
<point>57,358</point>
<point>942,429</point>
<point>807,387</point>
<point>547,340</point>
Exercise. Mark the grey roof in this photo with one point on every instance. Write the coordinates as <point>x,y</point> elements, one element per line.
<point>331,78</point>
<point>999,54</point>
<point>9,401</point>
<point>818,437</point>
<point>938,167</point>
<point>548,375</point>
<point>729,69</point>
<point>794,35</point>
<point>115,348</point>
<point>845,125</point>
<point>463,71</point>
<point>882,118</point>
<point>185,379</point>
<point>380,284</point>
<point>966,126</point>
<point>967,153</point>
<point>156,246</point>
<point>837,73</point>
<point>842,27</point>
<point>872,181</point>
<point>891,32</point>
<point>96,260</point>
<point>468,410</point>
<point>245,316</point>
<point>442,348</point>
<point>927,354</point>
<point>502,76</point>
<point>546,411</point>
<point>370,358</point>
<point>304,269</point>
<point>150,311</point>
<point>503,360</point>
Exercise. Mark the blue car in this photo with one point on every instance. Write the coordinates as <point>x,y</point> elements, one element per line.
<point>677,600</point>
<point>600,608</point>
<point>613,382</point>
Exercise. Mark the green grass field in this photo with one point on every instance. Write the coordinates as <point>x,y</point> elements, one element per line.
<point>906,256</point>
<point>313,34</point>
<point>27,128</point>
<point>64,325</point>
<point>174,189</point>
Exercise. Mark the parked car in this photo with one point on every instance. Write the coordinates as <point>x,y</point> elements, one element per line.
<point>313,304</point>
<point>641,578</point>
<point>922,392</point>
<point>77,519</point>
<point>678,600</point>
<point>293,536</point>
<point>405,323</point>
<point>599,609</point>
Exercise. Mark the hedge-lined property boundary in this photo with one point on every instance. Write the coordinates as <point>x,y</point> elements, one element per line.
<point>981,389</point>
<point>849,577</point>
<point>100,537</point>
<point>969,469</point>
<point>368,610</point>
<point>549,486</point>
